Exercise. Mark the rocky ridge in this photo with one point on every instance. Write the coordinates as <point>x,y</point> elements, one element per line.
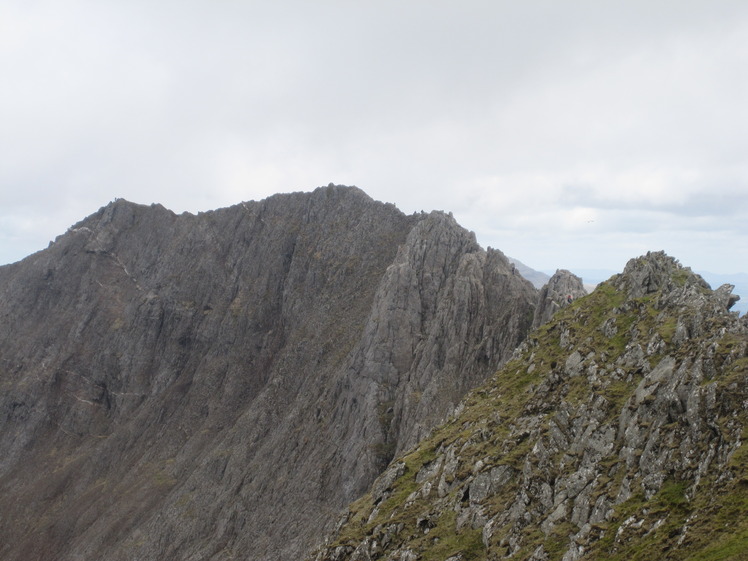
<point>561,290</point>
<point>220,386</point>
<point>617,431</point>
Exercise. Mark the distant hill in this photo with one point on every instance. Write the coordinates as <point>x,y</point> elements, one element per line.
<point>537,278</point>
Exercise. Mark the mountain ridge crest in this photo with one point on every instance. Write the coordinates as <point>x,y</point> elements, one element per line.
<point>194,386</point>
<point>616,430</point>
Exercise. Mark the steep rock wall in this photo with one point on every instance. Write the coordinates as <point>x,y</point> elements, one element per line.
<point>218,386</point>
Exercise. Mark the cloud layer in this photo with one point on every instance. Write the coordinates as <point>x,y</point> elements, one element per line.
<point>574,134</point>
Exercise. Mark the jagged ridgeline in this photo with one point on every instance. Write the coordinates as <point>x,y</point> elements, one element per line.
<point>222,385</point>
<point>617,432</point>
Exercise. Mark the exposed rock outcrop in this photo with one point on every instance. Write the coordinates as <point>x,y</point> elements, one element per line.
<point>561,290</point>
<point>219,386</point>
<point>618,431</point>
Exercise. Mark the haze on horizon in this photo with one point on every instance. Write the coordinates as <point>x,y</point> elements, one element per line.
<point>568,135</point>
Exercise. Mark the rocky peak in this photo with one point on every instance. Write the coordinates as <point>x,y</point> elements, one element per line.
<point>617,431</point>
<point>220,385</point>
<point>561,290</point>
<point>673,288</point>
<point>441,287</point>
<point>658,272</point>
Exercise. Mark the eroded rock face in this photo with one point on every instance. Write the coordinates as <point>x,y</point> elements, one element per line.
<point>619,427</point>
<point>219,386</point>
<point>560,291</point>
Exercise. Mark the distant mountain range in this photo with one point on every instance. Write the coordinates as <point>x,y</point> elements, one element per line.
<point>537,278</point>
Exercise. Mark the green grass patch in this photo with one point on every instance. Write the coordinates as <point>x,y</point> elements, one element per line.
<point>618,392</point>
<point>681,276</point>
<point>353,530</point>
<point>444,541</point>
<point>726,548</point>
<point>667,328</point>
<point>672,494</point>
<point>557,542</point>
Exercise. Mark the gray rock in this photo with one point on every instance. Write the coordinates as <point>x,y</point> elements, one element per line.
<point>560,291</point>
<point>725,296</point>
<point>598,423</point>
<point>192,387</point>
<point>488,483</point>
<point>574,364</point>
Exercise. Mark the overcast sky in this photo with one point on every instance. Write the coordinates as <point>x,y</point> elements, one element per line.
<point>568,134</point>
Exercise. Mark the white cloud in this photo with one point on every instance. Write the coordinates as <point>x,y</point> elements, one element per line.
<point>580,131</point>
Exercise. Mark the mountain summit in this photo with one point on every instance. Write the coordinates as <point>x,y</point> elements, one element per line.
<point>616,432</point>
<point>221,386</point>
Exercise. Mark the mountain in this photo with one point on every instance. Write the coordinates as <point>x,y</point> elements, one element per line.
<point>537,278</point>
<point>619,430</point>
<point>221,385</point>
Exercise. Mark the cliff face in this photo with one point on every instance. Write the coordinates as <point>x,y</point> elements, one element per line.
<point>561,290</point>
<point>219,386</point>
<point>617,431</point>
